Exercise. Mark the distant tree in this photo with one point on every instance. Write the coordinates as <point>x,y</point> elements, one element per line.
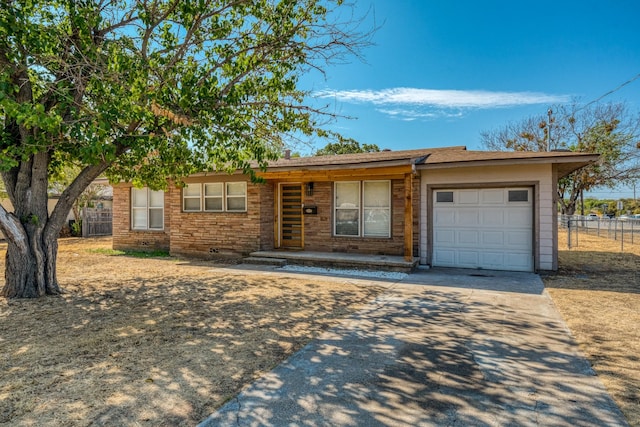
<point>346,146</point>
<point>148,90</point>
<point>629,206</point>
<point>607,129</point>
<point>61,179</point>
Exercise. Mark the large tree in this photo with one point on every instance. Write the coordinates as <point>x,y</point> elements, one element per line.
<point>147,90</point>
<point>346,146</point>
<point>607,129</point>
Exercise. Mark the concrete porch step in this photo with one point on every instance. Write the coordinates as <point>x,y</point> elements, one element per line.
<point>339,260</point>
<point>258,260</point>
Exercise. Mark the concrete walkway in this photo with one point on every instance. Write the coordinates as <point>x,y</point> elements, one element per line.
<point>440,348</point>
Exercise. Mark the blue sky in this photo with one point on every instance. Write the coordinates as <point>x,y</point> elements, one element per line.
<point>441,72</point>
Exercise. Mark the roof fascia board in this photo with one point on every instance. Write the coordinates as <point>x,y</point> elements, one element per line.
<point>343,166</point>
<point>499,162</point>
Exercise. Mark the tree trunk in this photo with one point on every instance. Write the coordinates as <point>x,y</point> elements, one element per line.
<point>30,268</point>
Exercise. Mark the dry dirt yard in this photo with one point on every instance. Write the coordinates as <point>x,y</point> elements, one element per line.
<point>597,291</point>
<point>163,341</point>
<point>153,341</point>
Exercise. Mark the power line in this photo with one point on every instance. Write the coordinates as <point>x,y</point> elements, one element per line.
<point>631,80</point>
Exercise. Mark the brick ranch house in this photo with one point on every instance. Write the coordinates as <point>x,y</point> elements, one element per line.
<point>446,207</point>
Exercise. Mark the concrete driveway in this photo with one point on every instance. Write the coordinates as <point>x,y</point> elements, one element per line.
<point>439,348</point>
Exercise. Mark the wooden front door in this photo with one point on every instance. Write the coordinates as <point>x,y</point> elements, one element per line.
<point>291,216</point>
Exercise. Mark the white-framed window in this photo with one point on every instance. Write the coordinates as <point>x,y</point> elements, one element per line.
<point>362,208</point>
<point>215,197</point>
<point>376,208</point>
<point>147,209</point>
<point>347,206</point>
<point>191,198</point>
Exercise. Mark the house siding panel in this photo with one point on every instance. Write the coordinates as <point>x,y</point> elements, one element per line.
<point>539,176</point>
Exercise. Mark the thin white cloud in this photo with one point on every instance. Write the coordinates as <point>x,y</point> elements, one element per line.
<point>417,114</point>
<point>457,99</point>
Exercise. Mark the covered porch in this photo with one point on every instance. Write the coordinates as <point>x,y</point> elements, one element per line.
<point>305,211</point>
<point>338,260</point>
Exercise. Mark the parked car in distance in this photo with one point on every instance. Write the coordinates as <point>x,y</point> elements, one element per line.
<point>625,217</point>
<point>592,216</point>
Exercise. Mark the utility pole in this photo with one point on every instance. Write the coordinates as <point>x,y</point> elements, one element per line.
<point>549,112</point>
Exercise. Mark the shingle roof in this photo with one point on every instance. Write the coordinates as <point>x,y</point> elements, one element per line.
<point>439,157</point>
<point>566,161</point>
<point>436,158</point>
<point>360,158</point>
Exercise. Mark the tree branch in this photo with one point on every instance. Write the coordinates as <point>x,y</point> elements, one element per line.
<point>69,195</point>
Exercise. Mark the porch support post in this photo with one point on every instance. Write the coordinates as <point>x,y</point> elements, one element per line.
<point>408,217</point>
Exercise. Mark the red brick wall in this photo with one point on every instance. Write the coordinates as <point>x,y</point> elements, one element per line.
<point>215,234</point>
<point>126,238</point>
<point>267,206</point>
<point>318,229</point>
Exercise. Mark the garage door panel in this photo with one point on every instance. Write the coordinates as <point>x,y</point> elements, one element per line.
<point>445,238</point>
<point>492,197</point>
<point>468,217</point>
<point>444,217</point>
<point>468,237</point>
<point>493,217</point>
<point>494,238</point>
<point>519,261</point>
<point>481,228</point>
<point>468,258</point>
<point>467,197</point>
<point>492,260</point>
<point>518,217</point>
<point>445,258</point>
<point>515,238</point>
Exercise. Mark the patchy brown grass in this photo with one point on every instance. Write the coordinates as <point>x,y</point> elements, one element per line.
<point>597,291</point>
<point>152,341</point>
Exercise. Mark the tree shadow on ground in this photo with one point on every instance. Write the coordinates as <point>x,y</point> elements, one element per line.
<point>433,358</point>
<point>152,342</point>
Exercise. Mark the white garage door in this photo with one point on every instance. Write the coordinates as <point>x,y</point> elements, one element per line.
<point>489,228</point>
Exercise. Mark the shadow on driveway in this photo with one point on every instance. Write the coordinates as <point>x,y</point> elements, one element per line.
<point>439,348</point>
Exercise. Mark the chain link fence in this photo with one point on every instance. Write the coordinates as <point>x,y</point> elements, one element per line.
<point>624,230</point>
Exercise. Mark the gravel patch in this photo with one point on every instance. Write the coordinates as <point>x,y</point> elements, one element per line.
<point>391,275</point>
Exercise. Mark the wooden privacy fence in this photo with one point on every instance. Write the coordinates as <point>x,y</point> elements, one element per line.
<point>96,222</point>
